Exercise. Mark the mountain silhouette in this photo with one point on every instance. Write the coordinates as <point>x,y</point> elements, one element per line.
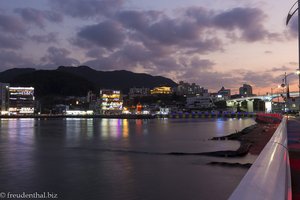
<point>77,81</point>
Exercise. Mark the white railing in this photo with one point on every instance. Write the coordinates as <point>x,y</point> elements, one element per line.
<point>269,176</point>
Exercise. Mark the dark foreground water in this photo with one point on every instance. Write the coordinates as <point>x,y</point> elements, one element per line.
<point>118,158</point>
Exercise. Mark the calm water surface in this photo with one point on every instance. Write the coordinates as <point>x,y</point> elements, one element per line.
<point>118,158</point>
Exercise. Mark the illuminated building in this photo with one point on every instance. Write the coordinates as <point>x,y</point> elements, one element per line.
<point>79,112</point>
<point>125,111</point>
<point>139,108</point>
<point>111,102</point>
<point>163,111</point>
<point>4,98</point>
<point>161,90</point>
<point>21,100</point>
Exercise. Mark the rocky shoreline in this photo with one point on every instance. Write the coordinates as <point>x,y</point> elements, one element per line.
<point>253,139</point>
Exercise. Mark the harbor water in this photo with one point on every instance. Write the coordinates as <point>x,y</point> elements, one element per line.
<point>119,158</point>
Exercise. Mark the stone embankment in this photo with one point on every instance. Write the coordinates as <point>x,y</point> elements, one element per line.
<point>253,139</point>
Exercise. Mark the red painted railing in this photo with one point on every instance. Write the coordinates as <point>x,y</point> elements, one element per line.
<point>270,118</point>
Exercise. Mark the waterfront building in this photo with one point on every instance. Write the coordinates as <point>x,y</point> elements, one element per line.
<point>224,94</point>
<point>21,100</point>
<point>161,90</point>
<point>79,112</point>
<point>111,101</point>
<point>138,92</point>
<point>60,109</point>
<point>246,90</point>
<point>4,98</point>
<point>163,111</point>
<point>199,102</point>
<point>186,89</point>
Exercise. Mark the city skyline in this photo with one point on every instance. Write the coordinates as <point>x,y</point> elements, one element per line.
<point>213,44</point>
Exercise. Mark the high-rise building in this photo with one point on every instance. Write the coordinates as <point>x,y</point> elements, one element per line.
<point>190,90</point>
<point>246,90</point>
<point>21,100</point>
<point>4,97</point>
<point>91,97</point>
<point>138,92</point>
<point>111,102</point>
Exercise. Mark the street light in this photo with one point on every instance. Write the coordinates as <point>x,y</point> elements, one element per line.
<point>274,104</point>
<point>290,15</point>
<point>286,85</point>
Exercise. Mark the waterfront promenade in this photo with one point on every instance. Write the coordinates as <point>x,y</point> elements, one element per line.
<point>293,132</point>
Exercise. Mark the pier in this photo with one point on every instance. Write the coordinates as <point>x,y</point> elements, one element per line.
<point>276,172</point>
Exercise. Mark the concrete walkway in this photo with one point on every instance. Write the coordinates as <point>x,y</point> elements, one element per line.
<point>293,133</point>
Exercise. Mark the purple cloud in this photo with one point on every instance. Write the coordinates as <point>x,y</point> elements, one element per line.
<point>11,24</point>
<point>59,56</point>
<point>201,16</point>
<point>95,52</point>
<point>263,79</point>
<point>9,42</point>
<point>127,57</point>
<point>280,69</point>
<point>157,31</point>
<point>38,17</point>
<point>138,20</point>
<point>108,34</point>
<point>87,8</point>
<point>248,20</point>
<point>48,38</point>
<point>204,64</point>
<point>11,59</point>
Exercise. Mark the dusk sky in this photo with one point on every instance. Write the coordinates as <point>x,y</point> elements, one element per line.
<point>213,43</point>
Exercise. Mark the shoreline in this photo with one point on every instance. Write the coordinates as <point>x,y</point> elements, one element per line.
<point>136,116</point>
<point>252,140</point>
<point>78,116</point>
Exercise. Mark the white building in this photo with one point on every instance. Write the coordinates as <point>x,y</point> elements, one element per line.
<point>111,101</point>
<point>21,100</point>
<point>199,102</point>
<point>4,97</point>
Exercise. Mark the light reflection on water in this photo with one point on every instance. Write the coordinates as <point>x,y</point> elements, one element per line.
<point>113,158</point>
<point>125,128</point>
